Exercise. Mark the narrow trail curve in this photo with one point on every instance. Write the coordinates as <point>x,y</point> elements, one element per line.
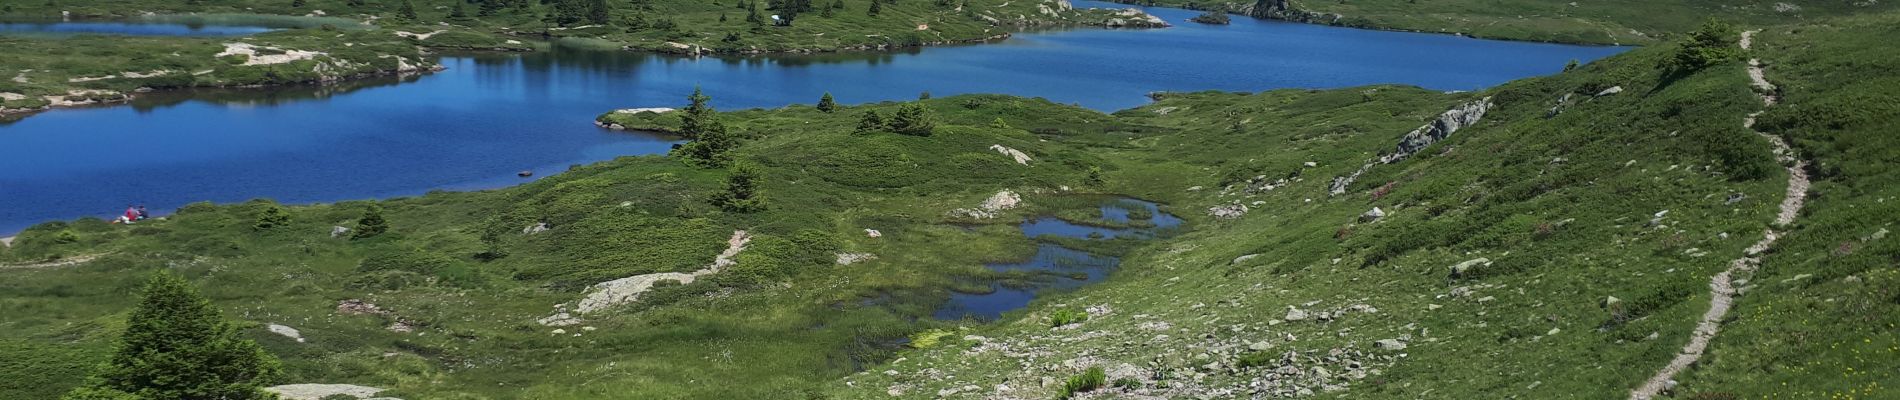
<point>1722,286</point>
<point>50,264</point>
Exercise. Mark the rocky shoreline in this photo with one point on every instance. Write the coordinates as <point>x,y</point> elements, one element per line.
<point>1282,10</point>
<point>103,97</point>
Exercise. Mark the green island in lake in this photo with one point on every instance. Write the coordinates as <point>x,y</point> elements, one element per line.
<point>1705,216</point>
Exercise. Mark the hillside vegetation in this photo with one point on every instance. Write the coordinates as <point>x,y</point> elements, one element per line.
<point>1595,22</point>
<point>1552,237</point>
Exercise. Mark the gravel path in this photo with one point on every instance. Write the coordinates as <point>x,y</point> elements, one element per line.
<point>1722,286</point>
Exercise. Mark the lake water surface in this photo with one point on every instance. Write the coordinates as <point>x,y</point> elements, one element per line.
<point>490,115</point>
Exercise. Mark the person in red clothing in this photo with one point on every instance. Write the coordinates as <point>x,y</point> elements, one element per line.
<point>131,214</point>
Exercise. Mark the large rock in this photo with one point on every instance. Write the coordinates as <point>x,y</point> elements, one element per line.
<point>318,391</point>
<point>286,331</point>
<point>1447,123</point>
<point>1466,268</point>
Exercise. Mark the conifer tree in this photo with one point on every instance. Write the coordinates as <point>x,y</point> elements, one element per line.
<point>371,224</point>
<point>710,140</point>
<point>870,122</point>
<point>874,8</point>
<point>913,119</point>
<point>597,12</point>
<point>407,11</point>
<point>176,346</point>
<point>826,104</point>
<point>742,192</point>
<point>296,3</point>
<point>273,216</point>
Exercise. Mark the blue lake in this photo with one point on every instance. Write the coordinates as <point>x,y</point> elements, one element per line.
<point>1058,267</point>
<point>489,115</point>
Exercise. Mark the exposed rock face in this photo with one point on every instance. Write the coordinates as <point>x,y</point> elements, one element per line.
<point>626,290</point>
<point>1448,123</point>
<point>338,231</point>
<point>1020,157</point>
<point>998,202</point>
<point>536,228</point>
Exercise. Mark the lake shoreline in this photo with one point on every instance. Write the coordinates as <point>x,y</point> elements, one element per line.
<point>1315,18</point>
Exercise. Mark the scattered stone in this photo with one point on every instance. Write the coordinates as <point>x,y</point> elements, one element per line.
<point>1372,215</point>
<point>1613,90</point>
<point>357,307</point>
<point>1464,269</point>
<point>1227,211</point>
<point>1295,314</point>
<point>538,227</point>
<point>873,233</point>
<point>854,258</point>
<point>288,332</point>
<point>1242,259</point>
<point>1389,344</point>
<point>1019,156</point>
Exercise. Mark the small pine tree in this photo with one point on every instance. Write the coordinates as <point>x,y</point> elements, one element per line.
<point>1713,43</point>
<point>722,17</point>
<point>460,12</point>
<point>697,114</point>
<point>371,224</point>
<point>1094,177</point>
<point>296,3</point>
<point>597,12</point>
<point>742,192</point>
<point>407,10</point>
<point>838,4</point>
<point>826,104</point>
<point>710,140</point>
<point>176,346</point>
<point>1571,65</point>
<point>273,216</point>
<point>924,96</point>
<point>913,119</point>
<point>870,122</point>
<point>874,9</point>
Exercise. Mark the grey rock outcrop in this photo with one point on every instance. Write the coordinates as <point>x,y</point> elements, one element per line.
<point>1448,123</point>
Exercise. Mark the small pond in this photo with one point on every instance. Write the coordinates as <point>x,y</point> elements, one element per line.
<point>1056,267</point>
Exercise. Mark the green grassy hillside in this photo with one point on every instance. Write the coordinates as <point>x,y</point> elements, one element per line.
<point>1533,255</point>
<point>1560,246</point>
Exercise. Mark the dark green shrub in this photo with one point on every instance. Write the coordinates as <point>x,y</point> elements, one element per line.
<point>913,119</point>
<point>176,346</point>
<point>1092,379</point>
<point>1713,43</point>
<point>371,224</point>
<point>1067,316</point>
<point>273,216</point>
